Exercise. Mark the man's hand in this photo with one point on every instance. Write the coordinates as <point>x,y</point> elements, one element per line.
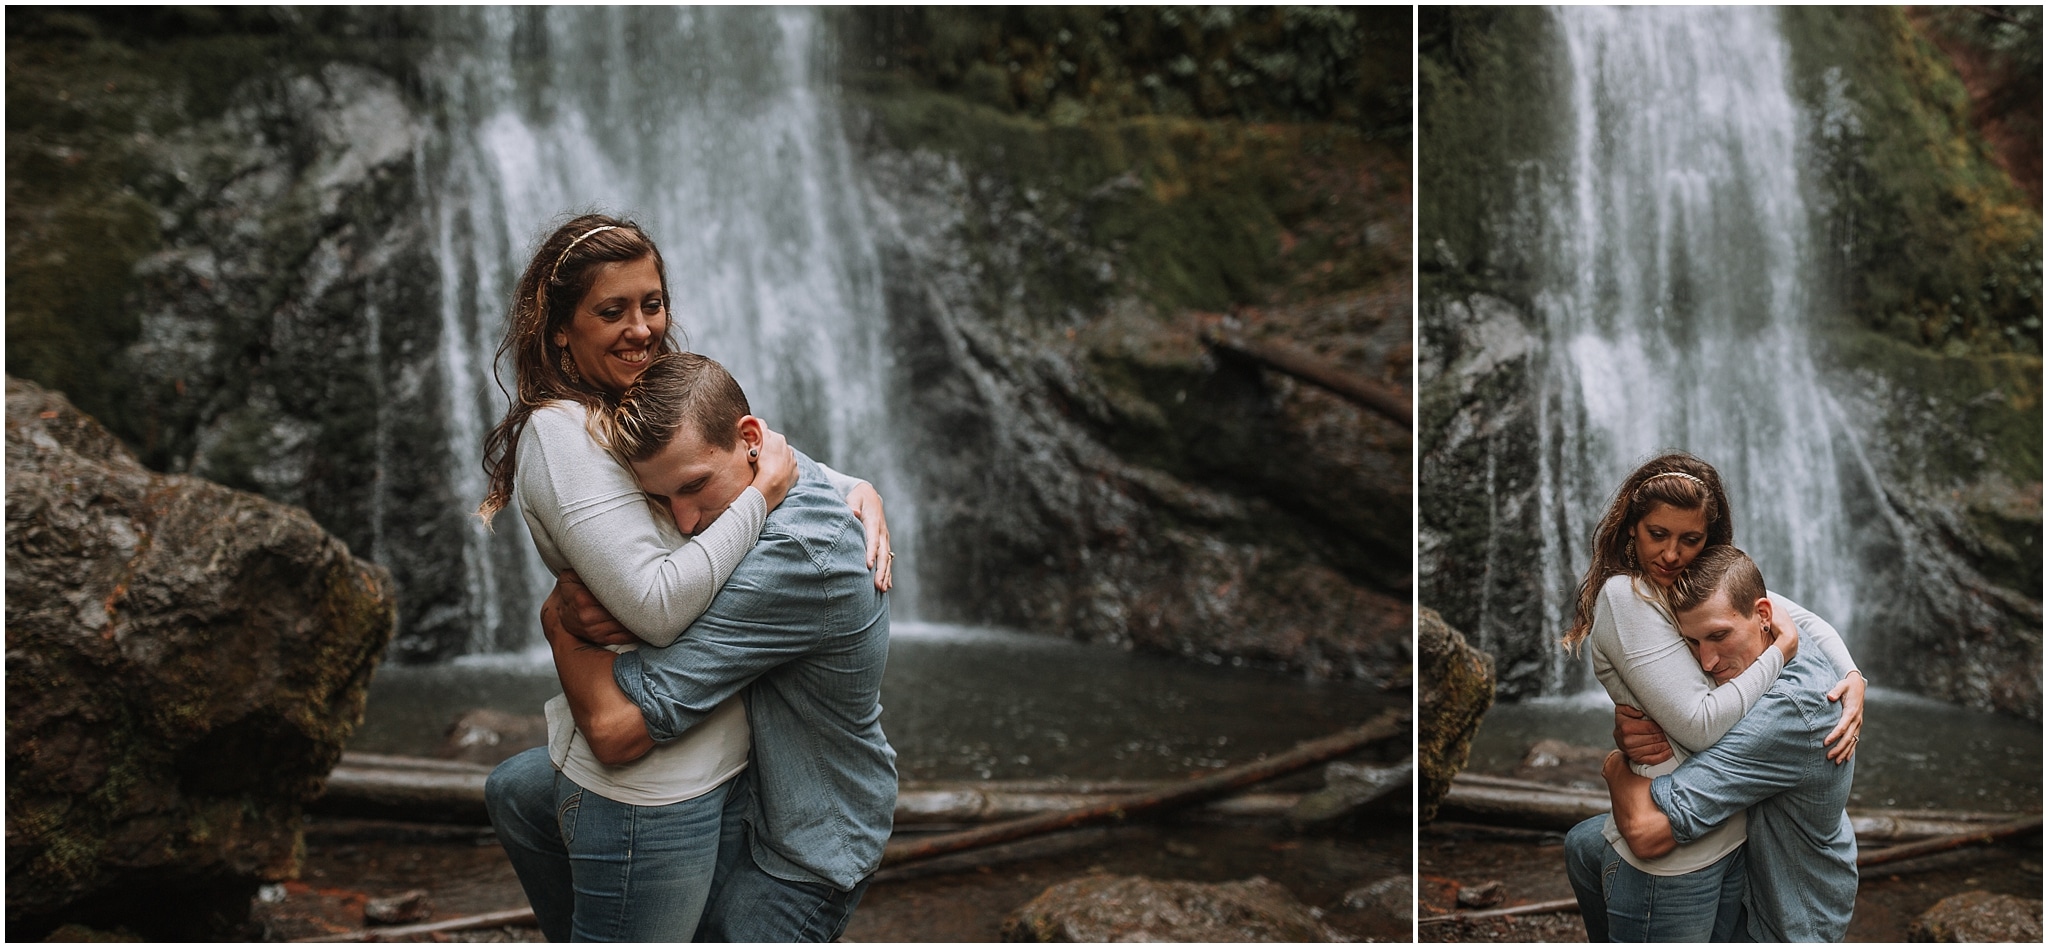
<point>570,609</point>
<point>1638,737</point>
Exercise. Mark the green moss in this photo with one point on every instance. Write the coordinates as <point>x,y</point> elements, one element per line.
<point>1930,241</point>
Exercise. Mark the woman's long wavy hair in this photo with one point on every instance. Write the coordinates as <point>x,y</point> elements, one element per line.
<point>560,272</point>
<point>1642,490</point>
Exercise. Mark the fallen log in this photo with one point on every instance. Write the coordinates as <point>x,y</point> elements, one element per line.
<point>1926,847</point>
<point>1533,908</point>
<point>520,917</point>
<point>376,787</point>
<point>1500,800</point>
<point>1388,401</point>
<point>1388,725</point>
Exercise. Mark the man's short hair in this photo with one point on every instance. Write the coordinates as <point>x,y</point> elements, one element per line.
<point>677,388</point>
<point>1719,568</point>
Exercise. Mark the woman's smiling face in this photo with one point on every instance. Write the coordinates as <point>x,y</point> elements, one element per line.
<point>619,324</point>
<point>1667,538</point>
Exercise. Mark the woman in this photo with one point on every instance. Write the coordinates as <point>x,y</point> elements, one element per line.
<point>1665,513</point>
<point>591,311</point>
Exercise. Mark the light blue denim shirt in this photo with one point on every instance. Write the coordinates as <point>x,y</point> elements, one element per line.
<point>801,628</point>
<point>1802,851</point>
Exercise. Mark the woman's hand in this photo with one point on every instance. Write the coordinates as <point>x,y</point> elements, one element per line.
<point>1850,730</point>
<point>867,508</point>
<point>571,609</point>
<point>774,467</point>
<point>1787,640</point>
<point>1639,737</point>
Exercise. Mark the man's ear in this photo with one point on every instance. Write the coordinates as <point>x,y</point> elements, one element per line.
<point>1763,611</point>
<point>751,429</point>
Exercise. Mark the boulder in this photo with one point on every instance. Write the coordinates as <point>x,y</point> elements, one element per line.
<point>1350,788</point>
<point>184,663</point>
<point>1979,916</point>
<point>1134,908</point>
<point>1393,896</point>
<point>1457,688</point>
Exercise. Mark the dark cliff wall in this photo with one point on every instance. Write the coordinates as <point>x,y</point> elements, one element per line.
<point>1069,198</point>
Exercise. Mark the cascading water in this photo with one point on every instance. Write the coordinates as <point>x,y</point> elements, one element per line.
<point>717,130</point>
<point>1676,296</point>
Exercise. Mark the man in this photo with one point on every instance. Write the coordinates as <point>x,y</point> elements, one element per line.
<point>1801,853</point>
<point>801,628</point>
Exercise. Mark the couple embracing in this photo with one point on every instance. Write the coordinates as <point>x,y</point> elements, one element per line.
<point>1732,780</point>
<point>716,768</point>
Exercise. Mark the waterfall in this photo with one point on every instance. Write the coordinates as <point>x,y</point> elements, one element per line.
<point>718,131</point>
<point>1676,295</point>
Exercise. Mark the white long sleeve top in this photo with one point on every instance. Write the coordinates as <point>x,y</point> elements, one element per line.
<point>1642,661</point>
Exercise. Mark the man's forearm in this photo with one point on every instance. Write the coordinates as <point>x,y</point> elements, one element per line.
<point>612,724</point>
<point>1645,828</point>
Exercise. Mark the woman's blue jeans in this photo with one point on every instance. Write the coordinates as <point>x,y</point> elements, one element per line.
<point>598,870</point>
<point>1622,903</point>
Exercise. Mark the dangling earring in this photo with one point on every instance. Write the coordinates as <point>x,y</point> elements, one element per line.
<point>1630,553</point>
<point>569,368</point>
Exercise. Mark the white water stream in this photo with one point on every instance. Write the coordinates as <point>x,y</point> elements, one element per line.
<point>717,130</point>
<point>1676,297</point>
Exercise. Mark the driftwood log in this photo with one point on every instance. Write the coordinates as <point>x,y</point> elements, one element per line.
<point>1479,798</point>
<point>1388,401</point>
<point>372,786</point>
<point>1386,726</point>
<point>1533,908</point>
<point>517,918</point>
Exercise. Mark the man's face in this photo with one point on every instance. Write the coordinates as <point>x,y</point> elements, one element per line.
<point>696,481</point>
<point>1723,639</point>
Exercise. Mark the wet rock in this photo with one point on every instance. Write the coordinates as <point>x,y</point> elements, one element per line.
<point>1556,762</point>
<point>1209,508</point>
<point>1134,908</point>
<point>416,905</point>
<point>1348,788</point>
<point>1476,422</point>
<point>1457,689</point>
<point>1393,896</point>
<point>1979,916</point>
<point>1483,895</point>
<point>184,664</point>
<point>489,736</point>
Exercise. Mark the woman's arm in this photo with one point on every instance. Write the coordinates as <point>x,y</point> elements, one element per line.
<point>612,725</point>
<point>1849,691</point>
<point>599,521</point>
<point>1652,659</point>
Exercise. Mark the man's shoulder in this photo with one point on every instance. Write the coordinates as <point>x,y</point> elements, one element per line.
<point>814,522</point>
<point>1800,695</point>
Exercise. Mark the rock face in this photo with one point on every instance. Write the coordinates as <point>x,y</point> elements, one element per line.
<point>184,663</point>
<point>1134,908</point>
<point>1109,477</point>
<point>256,223</point>
<point>1457,688</point>
<point>1978,917</point>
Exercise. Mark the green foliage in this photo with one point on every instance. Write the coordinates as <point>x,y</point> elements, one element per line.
<point>1342,64</point>
<point>1928,239</point>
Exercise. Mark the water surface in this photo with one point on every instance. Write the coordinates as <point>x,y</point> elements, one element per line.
<point>972,703</point>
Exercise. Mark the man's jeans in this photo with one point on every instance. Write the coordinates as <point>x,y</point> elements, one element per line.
<point>598,870</point>
<point>749,905</point>
<point>1622,903</point>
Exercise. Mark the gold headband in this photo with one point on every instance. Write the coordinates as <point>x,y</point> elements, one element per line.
<point>1647,480</point>
<point>540,296</point>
